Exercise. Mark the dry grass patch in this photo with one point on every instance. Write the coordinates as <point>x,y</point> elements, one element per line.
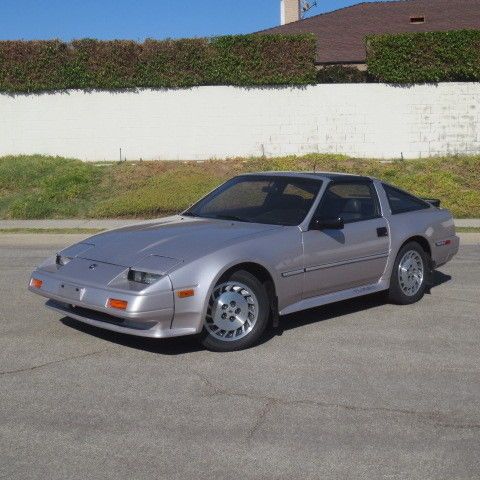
<point>54,187</point>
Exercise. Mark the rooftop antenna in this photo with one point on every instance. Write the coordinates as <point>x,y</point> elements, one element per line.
<point>305,6</point>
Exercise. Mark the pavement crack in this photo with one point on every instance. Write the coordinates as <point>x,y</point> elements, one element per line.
<point>259,422</point>
<point>271,402</point>
<point>53,362</point>
<point>207,383</point>
<point>346,406</point>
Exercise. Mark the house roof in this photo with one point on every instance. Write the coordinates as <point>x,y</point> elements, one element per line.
<point>341,33</point>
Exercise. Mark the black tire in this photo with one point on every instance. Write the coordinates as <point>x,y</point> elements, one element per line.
<point>396,293</point>
<point>216,344</point>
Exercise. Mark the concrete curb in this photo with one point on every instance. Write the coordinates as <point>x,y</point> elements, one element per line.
<point>468,222</point>
<point>115,223</point>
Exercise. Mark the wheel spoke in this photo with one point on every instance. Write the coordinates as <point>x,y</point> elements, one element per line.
<point>411,273</point>
<point>232,311</point>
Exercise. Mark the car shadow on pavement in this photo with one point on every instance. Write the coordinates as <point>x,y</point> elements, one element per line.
<point>189,344</point>
<point>437,279</point>
<point>330,311</point>
<point>345,307</point>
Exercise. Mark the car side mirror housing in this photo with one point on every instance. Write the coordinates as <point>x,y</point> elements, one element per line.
<point>327,224</point>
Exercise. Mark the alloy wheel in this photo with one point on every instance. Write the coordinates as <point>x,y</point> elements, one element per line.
<point>232,311</point>
<point>411,273</point>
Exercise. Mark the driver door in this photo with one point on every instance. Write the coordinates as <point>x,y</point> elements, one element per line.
<point>355,256</point>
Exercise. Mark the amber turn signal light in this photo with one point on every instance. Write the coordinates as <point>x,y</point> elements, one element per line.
<point>36,283</point>
<point>118,304</point>
<point>186,293</point>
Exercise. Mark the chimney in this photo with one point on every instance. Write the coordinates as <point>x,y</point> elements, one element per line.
<point>289,11</point>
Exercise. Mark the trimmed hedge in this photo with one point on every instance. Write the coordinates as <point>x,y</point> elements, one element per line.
<point>243,60</point>
<point>425,57</point>
<point>248,60</point>
<point>341,74</point>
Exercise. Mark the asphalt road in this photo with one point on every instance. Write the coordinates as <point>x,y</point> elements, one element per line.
<point>357,390</point>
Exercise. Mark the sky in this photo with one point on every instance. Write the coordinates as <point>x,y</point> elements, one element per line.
<point>140,19</point>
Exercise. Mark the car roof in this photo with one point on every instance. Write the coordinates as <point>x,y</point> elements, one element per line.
<point>338,176</point>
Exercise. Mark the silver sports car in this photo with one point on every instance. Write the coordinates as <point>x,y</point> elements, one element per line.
<point>258,247</point>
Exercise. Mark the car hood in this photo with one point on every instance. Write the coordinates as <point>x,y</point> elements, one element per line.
<point>181,238</point>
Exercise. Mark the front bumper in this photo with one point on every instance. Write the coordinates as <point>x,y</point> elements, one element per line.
<point>153,329</point>
<point>146,316</point>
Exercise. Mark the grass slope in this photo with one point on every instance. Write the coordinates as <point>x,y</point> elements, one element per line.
<point>53,187</point>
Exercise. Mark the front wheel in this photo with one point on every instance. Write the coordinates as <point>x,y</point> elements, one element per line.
<point>237,313</point>
<point>409,275</point>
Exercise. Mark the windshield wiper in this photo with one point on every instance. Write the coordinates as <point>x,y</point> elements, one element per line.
<point>188,214</point>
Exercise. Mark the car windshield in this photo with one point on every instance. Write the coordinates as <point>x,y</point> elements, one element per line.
<point>276,200</point>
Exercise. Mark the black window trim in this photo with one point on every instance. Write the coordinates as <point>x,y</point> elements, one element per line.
<point>368,183</point>
<point>423,205</point>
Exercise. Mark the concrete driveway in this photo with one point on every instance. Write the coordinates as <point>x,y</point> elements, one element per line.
<point>359,390</point>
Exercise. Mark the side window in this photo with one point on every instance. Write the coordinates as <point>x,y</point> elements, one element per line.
<point>401,202</point>
<point>351,201</point>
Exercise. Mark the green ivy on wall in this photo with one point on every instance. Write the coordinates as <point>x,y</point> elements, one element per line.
<point>248,60</point>
<point>424,57</point>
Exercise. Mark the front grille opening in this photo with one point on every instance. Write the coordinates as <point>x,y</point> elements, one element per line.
<point>86,314</point>
<point>94,315</point>
<point>419,19</point>
<point>106,318</point>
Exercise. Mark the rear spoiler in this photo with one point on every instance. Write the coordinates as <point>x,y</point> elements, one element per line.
<point>432,201</point>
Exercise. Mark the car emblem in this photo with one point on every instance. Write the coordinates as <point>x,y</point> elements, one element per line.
<point>93,266</point>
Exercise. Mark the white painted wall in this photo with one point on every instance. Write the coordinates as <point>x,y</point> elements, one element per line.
<point>364,120</point>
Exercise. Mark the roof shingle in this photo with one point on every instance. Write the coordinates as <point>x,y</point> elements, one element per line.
<point>341,33</point>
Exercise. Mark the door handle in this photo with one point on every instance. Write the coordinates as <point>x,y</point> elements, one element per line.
<point>382,232</point>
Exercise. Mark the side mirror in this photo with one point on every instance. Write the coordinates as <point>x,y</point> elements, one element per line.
<point>327,224</point>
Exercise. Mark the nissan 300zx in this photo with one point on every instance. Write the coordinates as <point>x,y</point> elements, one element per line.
<point>257,248</point>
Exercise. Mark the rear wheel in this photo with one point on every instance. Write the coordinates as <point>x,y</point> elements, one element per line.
<point>237,313</point>
<point>409,275</point>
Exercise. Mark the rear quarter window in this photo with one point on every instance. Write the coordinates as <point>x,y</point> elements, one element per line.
<point>401,202</point>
